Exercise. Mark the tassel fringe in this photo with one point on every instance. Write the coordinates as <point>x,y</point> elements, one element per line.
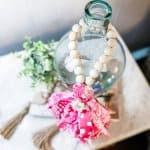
<point>9,128</point>
<point>42,138</point>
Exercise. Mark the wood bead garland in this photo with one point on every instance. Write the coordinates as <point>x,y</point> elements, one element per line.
<point>108,51</point>
<point>77,62</point>
<point>100,65</point>
<point>72,36</point>
<point>94,73</point>
<point>111,34</point>
<point>111,43</point>
<point>74,54</point>
<point>76,28</point>
<point>72,45</point>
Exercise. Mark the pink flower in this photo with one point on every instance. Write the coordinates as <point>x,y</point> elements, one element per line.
<point>80,113</point>
<point>58,101</point>
<point>69,116</point>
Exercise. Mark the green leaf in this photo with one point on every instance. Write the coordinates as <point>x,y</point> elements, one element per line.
<point>38,61</point>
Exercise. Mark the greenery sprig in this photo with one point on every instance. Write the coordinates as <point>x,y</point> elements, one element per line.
<point>38,62</point>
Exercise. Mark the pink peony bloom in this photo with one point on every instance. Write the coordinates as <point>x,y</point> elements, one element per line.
<point>80,113</point>
<point>69,116</point>
<point>58,101</point>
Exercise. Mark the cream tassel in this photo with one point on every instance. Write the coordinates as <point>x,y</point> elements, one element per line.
<point>9,128</point>
<point>42,138</point>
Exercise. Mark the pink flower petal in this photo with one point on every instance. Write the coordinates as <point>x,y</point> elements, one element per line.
<point>87,123</point>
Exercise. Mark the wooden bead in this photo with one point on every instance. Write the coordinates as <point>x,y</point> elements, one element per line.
<point>77,61</point>
<point>103,59</point>
<point>98,66</point>
<point>78,70</point>
<point>94,73</point>
<point>74,54</point>
<point>80,79</point>
<point>109,51</point>
<point>111,43</point>
<point>110,27</point>
<point>111,34</point>
<point>73,36</point>
<point>72,45</point>
<point>76,28</point>
<point>78,35</point>
<point>89,81</point>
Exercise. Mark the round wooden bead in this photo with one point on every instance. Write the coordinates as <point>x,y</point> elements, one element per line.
<point>98,66</point>
<point>78,70</point>
<point>89,81</point>
<point>110,27</point>
<point>103,59</point>
<point>80,79</point>
<point>94,73</point>
<point>77,62</point>
<point>109,51</point>
<point>72,45</point>
<point>73,36</point>
<point>76,28</point>
<point>111,43</point>
<point>111,34</point>
<point>74,54</point>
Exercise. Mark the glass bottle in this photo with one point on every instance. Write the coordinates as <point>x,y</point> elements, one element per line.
<point>91,44</point>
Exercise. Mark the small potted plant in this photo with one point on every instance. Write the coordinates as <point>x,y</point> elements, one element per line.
<point>38,65</point>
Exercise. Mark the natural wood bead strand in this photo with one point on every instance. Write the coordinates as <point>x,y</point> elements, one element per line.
<point>74,54</point>
<point>110,27</point>
<point>77,61</point>
<point>111,34</point>
<point>101,64</point>
<point>111,43</point>
<point>76,28</point>
<point>72,45</point>
<point>73,36</point>
<point>94,73</point>
<point>103,59</point>
<point>109,51</point>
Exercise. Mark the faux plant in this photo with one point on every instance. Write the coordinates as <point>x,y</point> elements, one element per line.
<point>38,61</point>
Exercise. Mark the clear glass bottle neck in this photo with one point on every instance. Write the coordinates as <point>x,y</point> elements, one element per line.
<point>97,16</point>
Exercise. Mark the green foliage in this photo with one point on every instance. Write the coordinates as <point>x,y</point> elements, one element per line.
<point>38,61</point>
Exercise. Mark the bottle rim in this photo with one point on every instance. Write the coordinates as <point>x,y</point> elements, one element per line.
<point>103,5</point>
